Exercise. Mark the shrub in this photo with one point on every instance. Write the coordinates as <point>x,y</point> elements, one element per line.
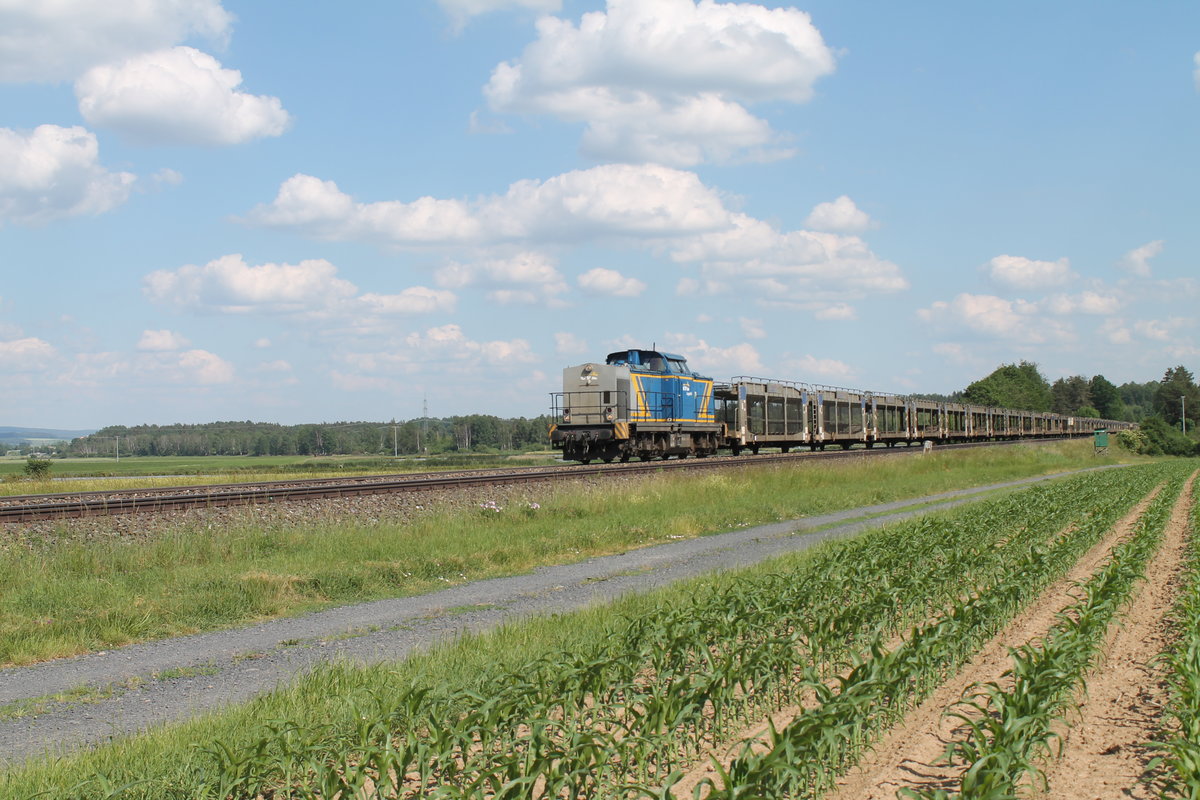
<point>37,469</point>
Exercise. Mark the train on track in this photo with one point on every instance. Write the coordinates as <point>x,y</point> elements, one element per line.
<point>648,404</point>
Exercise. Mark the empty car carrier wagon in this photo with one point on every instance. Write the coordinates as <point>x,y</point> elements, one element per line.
<point>649,404</point>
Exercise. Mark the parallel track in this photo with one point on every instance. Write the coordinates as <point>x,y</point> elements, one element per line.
<point>31,508</point>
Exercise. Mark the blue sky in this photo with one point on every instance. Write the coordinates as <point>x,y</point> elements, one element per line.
<point>213,209</point>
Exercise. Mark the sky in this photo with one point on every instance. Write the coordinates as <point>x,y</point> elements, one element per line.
<point>225,210</point>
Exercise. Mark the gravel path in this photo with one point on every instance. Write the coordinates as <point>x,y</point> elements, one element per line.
<point>231,666</point>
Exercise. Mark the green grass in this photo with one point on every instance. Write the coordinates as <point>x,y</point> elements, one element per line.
<point>132,472</point>
<point>65,595</point>
<point>334,697</point>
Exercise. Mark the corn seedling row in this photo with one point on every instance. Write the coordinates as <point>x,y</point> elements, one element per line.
<point>1180,766</point>
<point>805,758</point>
<point>1010,732</point>
<point>623,716</point>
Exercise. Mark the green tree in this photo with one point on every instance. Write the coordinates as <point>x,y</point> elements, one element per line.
<point>1178,383</point>
<point>1017,386</point>
<point>1069,394</point>
<point>1106,398</point>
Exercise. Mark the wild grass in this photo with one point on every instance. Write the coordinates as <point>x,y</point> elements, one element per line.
<point>67,595</point>
<point>691,642</point>
<point>140,472</point>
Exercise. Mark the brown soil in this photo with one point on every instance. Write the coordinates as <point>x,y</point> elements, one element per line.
<point>1104,752</point>
<point>909,755</point>
<point>912,753</point>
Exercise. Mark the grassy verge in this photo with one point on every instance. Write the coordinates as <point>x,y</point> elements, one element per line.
<point>137,472</point>
<point>334,702</point>
<point>67,595</point>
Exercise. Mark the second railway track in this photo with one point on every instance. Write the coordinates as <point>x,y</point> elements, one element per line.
<point>31,508</point>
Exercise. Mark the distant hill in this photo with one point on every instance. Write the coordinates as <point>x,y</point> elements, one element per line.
<point>9,435</point>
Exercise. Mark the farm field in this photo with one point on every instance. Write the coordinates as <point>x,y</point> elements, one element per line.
<point>636,699</point>
<point>86,586</point>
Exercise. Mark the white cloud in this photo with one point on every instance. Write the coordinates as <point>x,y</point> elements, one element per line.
<point>161,341</point>
<point>796,267</point>
<point>262,343</point>
<point>52,172</point>
<point>1084,303</point>
<point>667,80</point>
<point>568,344</point>
<point>414,300</point>
<point>461,11</point>
<point>446,348</point>
<point>534,271</point>
<point>994,317</point>
<point>837,311</point>
<point>1115,331</point>
<point>827,369</point>
<point>177,96</point>
<point>203,367</point>
<point>1024,273</point>
<point>1152,329</point>
<point>738,359</point>
<point>310,289</point>
<point>278,365</point>
<point>1137,260</point>
<point>29,354</point>
<point>610,282</point>
<point>752,328</point>
<point>838,216</point>
<point>58,40</point>
<point>230,285</point>
<point>613,200</point>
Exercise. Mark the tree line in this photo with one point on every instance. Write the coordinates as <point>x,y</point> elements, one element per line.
<point>1159,406</point>
<point>478,433</point>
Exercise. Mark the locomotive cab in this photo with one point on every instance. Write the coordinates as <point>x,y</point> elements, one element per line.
<point>643,403</point>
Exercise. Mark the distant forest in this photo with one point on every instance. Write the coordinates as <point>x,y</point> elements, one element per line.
<point>1155,404</point>
<point>475,433</point>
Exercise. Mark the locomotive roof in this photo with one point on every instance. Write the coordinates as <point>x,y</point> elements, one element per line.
<point>643,355</point>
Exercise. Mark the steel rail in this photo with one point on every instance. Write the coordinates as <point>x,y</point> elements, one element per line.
<point>31,508</point>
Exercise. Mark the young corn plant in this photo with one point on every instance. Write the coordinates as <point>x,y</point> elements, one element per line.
<point>1009,732</point>
<point>1177,772</point>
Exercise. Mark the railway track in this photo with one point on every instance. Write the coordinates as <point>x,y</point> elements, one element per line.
<point>31,508</point>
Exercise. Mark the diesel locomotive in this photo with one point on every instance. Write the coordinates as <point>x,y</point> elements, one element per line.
<point>649,404</point>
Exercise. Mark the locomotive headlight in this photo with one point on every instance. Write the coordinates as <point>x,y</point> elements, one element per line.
<point>609,415</point>
<point>566,415</point>
<point>588,376</point>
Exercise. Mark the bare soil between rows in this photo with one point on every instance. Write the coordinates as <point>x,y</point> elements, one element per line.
<point>1104,751</point>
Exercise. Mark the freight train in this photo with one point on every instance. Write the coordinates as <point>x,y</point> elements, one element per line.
<point>648,404</point>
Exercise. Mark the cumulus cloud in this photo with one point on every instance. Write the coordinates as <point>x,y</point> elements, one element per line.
<point>610,282</point>
<point>997,318</point>
<point>1137,260</point>
<point>613,200</point>
<point>795,267</point>
<point>1196,74</point>
<point>569,344</point>
<point>826,369</point>
<point>1084,303</point>
<point>1024,273</point>
<point>837,311</point>
<point>54,172</point>
<point>54,41</point>
<point>461,11</point>
<point>667,80</point>
<point>177,96</point>
<point>752,328</point>
<point>27,354</point>
<point>714,360</point>
<point>838,216</point>
<point>202,367</point>
<point>447,347</point>
<point>161,341</point>
<point>535,272</point>
<point>311,288</point>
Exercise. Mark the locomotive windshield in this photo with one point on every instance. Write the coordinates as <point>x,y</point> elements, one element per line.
<point>651,361</point>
